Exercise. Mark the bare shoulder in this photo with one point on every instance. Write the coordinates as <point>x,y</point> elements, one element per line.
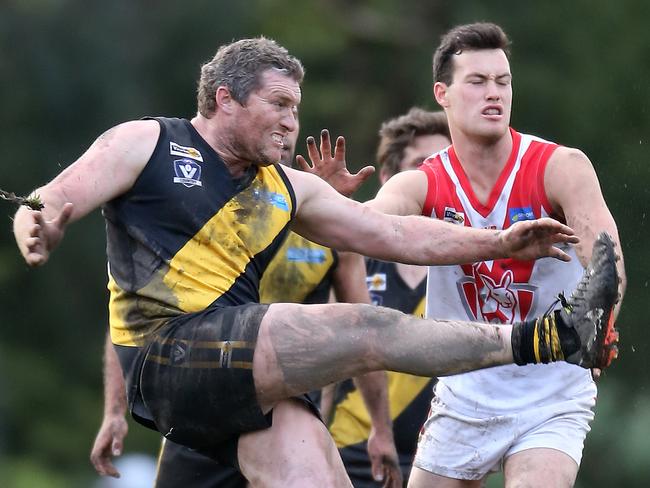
<point>569,177</point>
<point>403,194</point>
<point>568,159</point>
<point>137,132</point>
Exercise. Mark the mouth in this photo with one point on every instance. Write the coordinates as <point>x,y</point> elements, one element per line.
<point>278,139</point>
<point>492,111</point>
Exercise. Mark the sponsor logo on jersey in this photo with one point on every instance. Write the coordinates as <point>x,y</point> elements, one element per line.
<point>184,151</point>
<point>451,215</point>
<point>305,255</point>
<point>187,172</point>
<point>278,200</point>
<point>518,214</point>
<point>376,282</point>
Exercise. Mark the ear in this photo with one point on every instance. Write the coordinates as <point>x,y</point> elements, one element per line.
<point>440,93</point>
<point>224,100</point>
<point>384,176</point>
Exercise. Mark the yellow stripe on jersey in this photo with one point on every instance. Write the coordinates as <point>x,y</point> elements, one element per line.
<point>208,265</point>
<point>352,422</point>
<point>295,271</point>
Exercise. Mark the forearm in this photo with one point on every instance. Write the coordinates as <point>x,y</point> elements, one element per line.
<point>114,388</point>
<point>374,391</point>
<point>426,241</point>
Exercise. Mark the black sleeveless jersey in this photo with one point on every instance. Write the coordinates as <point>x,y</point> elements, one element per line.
<point>188,236</point>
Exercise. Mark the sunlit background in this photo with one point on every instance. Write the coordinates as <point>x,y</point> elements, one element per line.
<point>70,69</point>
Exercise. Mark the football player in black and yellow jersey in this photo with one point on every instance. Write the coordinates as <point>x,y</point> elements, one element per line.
<point>195,210</point>
<point>405,142</point>
<point>301,272</point>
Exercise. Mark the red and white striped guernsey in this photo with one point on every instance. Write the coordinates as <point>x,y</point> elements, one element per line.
<point>501,291</point>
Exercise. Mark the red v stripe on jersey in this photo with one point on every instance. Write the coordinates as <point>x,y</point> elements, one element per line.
<point>482,209</point>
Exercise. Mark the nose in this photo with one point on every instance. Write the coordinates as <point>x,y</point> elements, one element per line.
<point>492,90</point>
<point>290,120</point>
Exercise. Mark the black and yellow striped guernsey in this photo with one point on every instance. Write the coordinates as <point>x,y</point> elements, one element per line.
<point>409,396</point>
<point>301,272</point>
<point>189,236</point>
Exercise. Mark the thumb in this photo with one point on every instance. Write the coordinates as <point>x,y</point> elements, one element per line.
<point>377,470</point>
<point>365,172</point>
<point>116,448</point>
<point>66,212</point>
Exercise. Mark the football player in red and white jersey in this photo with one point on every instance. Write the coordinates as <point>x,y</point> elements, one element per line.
<point>532,421</point>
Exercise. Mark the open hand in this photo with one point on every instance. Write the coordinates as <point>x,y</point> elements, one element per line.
<point>38,236</point>
<point>532,239</point>
<point>108,444</point>
<point>332,168</point>
<point>384,460</point>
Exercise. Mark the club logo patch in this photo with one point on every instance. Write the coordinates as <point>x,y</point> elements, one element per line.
<point>184,151</point>
<point>454,217</point>
<point>491,294</point>
<point>376,282</point>
<point>188,173</point>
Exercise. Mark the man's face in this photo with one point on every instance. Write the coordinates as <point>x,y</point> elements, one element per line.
<point>267,119</point>
<point>421,148</point>
<point>479,100</point>
<point>415,153</point>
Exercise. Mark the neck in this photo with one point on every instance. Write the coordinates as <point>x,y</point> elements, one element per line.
<point>218,140</point>
<point>411,274</point>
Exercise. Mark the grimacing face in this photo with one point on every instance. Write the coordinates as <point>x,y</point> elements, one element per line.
<point>479,100</point>
<point>267,118</point>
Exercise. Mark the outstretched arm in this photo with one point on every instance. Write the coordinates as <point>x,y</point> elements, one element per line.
<point>330,219</point>
<point>110,438</point>
<point>107,169</point>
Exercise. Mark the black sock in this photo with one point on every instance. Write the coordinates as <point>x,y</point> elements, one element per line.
<point>523,340</point>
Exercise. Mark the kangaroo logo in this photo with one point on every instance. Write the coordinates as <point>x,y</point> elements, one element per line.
<point>492,295</point>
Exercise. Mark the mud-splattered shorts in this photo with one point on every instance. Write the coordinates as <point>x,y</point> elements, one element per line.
<point>459,446</point>
<point>193,382</point>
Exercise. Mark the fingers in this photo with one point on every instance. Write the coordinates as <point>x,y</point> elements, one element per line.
<point>312,150</point>
<point>339,149</point>
<point>365,172</point>
<point>325,143</point>
<point>377,469</point>
<point>559,254</point>
<point>553,225</point>
<point>563,238</point>
<point>102,461</point>
<point>595,373</point>
<point>303,164</point>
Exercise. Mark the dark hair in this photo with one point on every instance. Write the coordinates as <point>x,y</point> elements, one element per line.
<point>238,66</point>
<point>398,133</point>
<point>469,37</point>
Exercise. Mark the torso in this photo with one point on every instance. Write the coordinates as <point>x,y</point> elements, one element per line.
<point>188,236</point>
<point>502,291</point>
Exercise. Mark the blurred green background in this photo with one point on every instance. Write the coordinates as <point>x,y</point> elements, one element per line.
<point>70,69</point>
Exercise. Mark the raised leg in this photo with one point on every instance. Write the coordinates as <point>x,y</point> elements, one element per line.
<point>305,347</point>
